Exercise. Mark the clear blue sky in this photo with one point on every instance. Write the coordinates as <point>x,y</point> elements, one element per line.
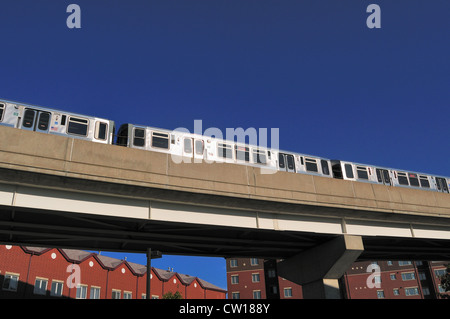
<point>311,68</point>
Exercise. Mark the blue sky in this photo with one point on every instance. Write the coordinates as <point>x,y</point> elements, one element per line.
<point>313,69</point>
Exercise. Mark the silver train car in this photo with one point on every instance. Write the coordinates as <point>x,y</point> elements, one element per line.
<point>51,121</point>
<point>192,148</point>
<point>199,147</point>
<point>389,176</point>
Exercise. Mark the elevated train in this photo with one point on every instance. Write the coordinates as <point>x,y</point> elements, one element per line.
<point>199,148</point>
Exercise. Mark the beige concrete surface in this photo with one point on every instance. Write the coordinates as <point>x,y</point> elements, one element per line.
<point>60,156</point>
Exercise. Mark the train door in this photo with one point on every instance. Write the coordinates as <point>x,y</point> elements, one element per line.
<point>441,184</point>
<point>383,176</point>
<point>34,120</point>
<point>193,148</point>
<point>286,162</point>
<point>199,149</point>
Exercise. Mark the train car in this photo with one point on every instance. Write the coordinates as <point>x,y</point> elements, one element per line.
<point>192,148</point>
<point>360,172</point>
<point>51,121</point>
<point>388,176</point>
<point>187,147</point>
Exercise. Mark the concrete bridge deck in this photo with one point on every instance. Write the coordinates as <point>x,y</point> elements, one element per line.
<point>75,193</point>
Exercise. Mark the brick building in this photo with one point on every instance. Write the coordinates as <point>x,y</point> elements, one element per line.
<point>32,272</point>
<point>252,278</point>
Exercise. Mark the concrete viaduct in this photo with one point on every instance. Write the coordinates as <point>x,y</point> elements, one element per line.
<point>63,192</point>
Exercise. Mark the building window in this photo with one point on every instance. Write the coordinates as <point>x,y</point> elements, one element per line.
<point>115,294</point>
<point>95,293</point>
<point>422,275</point>
<point>254,261</point>
<point>57,288</point>
<point>408,276</point>
<point>404,263</point>
<point>40,286</point>
<point>288,292</point>
<point>255,277</point>
<point>10,282</point>
<point>81,291</point>
<point>235,295</point>
<point>426,291</point>
<point>271,273</point>
<point>234,279</point>
<point>256,294</point>
<point>396,292</point>
<point>413,291</point>
<point>393,276</point>
<point>127,295</point>
<point>380,294</point>
<point>440,272</point>
<point>233,263</point>
<point>389,263</point>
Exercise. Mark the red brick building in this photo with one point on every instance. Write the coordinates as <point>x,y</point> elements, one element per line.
<point>251,278</point>
<point>32,272</point>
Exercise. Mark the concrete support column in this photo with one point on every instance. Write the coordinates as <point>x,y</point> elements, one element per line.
<point>319,268</point>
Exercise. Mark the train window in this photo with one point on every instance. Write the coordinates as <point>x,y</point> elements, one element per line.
<point>325,168</point>
<point>187,145</point>
<point>413,180</point>
<point>259,157</point>
<point>77,126</point>
<point>362,172</point>
<point>139,137</point>
<point>199,147</point>
<point>349,171</point>
<point>311,164</point>
<point>28,118</point>
<point>290,161</point>
<point>160,140</point>
<point>441,184</point>
<point>402,179</point>
<point>242,153</point>
<point>379,177</point>
<point>100,130</point>
<point>44,119</point>
<point>63,120</point>
<point>2,108</point>
<point>424,181</point>
<point>281,160</point>
<point>224,150</point>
